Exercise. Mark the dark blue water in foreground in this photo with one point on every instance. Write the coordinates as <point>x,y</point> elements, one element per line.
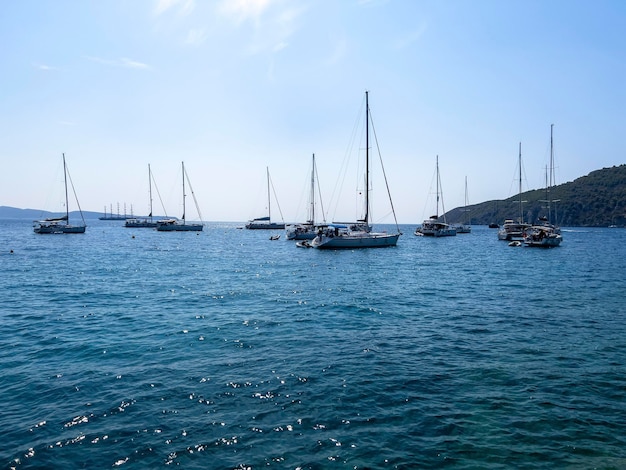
<point>227,350</point>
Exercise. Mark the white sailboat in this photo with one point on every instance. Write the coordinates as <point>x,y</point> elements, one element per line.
<point>175,225</point>
<point>511,230</point>
<point>545,234</point>
<point>465,227</point>
<point>60,225</point>
<point>147,222</point>
<point>357,235</point>
<point>265,223</point>
<point>433,227</point>
<point>307,230</point>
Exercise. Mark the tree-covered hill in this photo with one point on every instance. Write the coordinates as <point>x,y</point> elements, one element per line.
<point>597,200</point>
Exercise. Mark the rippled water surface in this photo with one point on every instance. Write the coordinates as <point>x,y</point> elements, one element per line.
<point>223,349</point>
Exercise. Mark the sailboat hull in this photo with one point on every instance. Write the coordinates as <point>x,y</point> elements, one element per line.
<point>351,241</point>
<point>58,229</point>
<point>265,226</point>
<point>139,223</point>
<point>301,232</point>
<point>176,227</point>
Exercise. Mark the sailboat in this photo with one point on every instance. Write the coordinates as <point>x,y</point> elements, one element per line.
<point>265,223</point>
<point>511,230</point>
<point>433,227</point>
<point>175,225</point>
<point>57,225</point>
<point>359,235</point>
<point>465,227</point>
<point>306,230</point>
<point>545,234</point>
<point>111,216</point>
<point>145,222</point>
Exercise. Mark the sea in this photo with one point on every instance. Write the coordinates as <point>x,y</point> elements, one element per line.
<point>224,349</point>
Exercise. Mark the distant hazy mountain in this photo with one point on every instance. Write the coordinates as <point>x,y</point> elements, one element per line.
<point>595,200</point>
<point>35,214</point>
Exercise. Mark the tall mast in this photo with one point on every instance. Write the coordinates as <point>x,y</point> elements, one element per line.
<point>67,209</point>
<point>150,189</point>
<point>551,177</point>
<point>437,196</point>
<point>521,213</point>
<point>466,217</point>
<point>367,160</point>
<point>183,163</point>
<point>312,213</point>
<point>269,208</point>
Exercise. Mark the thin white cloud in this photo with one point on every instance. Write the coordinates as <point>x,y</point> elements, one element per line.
<point>183,7</point>
<point>280,46</point>
<point>45,67</point>
<point>243,10</point>
<point>271,22</point>
<point>123,62</point>
<point>196,37</point>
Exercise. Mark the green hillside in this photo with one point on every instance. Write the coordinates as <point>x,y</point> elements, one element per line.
<point>595,200</point>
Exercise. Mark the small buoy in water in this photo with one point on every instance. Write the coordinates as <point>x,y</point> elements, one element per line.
<point>11,251</point>
<point>133,236</point>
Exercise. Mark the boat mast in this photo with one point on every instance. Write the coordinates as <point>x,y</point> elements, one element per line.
<point>437,205</point>
<point>269,207</point>
<point>312,213</point>
<point>466,217</point>
<point>521,212</point>
<point>551,177</point>
<point>183,163</point>
<point>150,189</point>
<point>367,160</point>
<point>67,209</point>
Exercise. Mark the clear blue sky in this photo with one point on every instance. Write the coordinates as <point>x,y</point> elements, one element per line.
<point>233,86</point>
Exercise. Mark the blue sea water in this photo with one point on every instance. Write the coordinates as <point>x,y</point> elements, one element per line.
<point>141,349</point>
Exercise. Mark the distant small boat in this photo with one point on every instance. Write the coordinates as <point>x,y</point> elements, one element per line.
<point>433,227</point>
<point>465,227</point>
<point>542,237</point>
<point>174,225</point>
<point>493,225</point>
<point>61,225</point>
<point>265,223</point>
<point>512,230</point>
<point>147,222</point>
<point>112,216</point>
<point>306,230</point>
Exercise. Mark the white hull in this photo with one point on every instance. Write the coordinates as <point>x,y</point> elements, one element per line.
<point>300,232</point>
<point>543,237</point>
<point>512,231</point>
<point>549,242</point>
<point>139,223</point>
<point>355,240</point>
<point>432,228</point>
<point>448,232</point>
<point>54,228</point>
<point>175,226</point>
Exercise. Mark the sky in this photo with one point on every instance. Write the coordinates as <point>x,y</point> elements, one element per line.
<point>232,87</point>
